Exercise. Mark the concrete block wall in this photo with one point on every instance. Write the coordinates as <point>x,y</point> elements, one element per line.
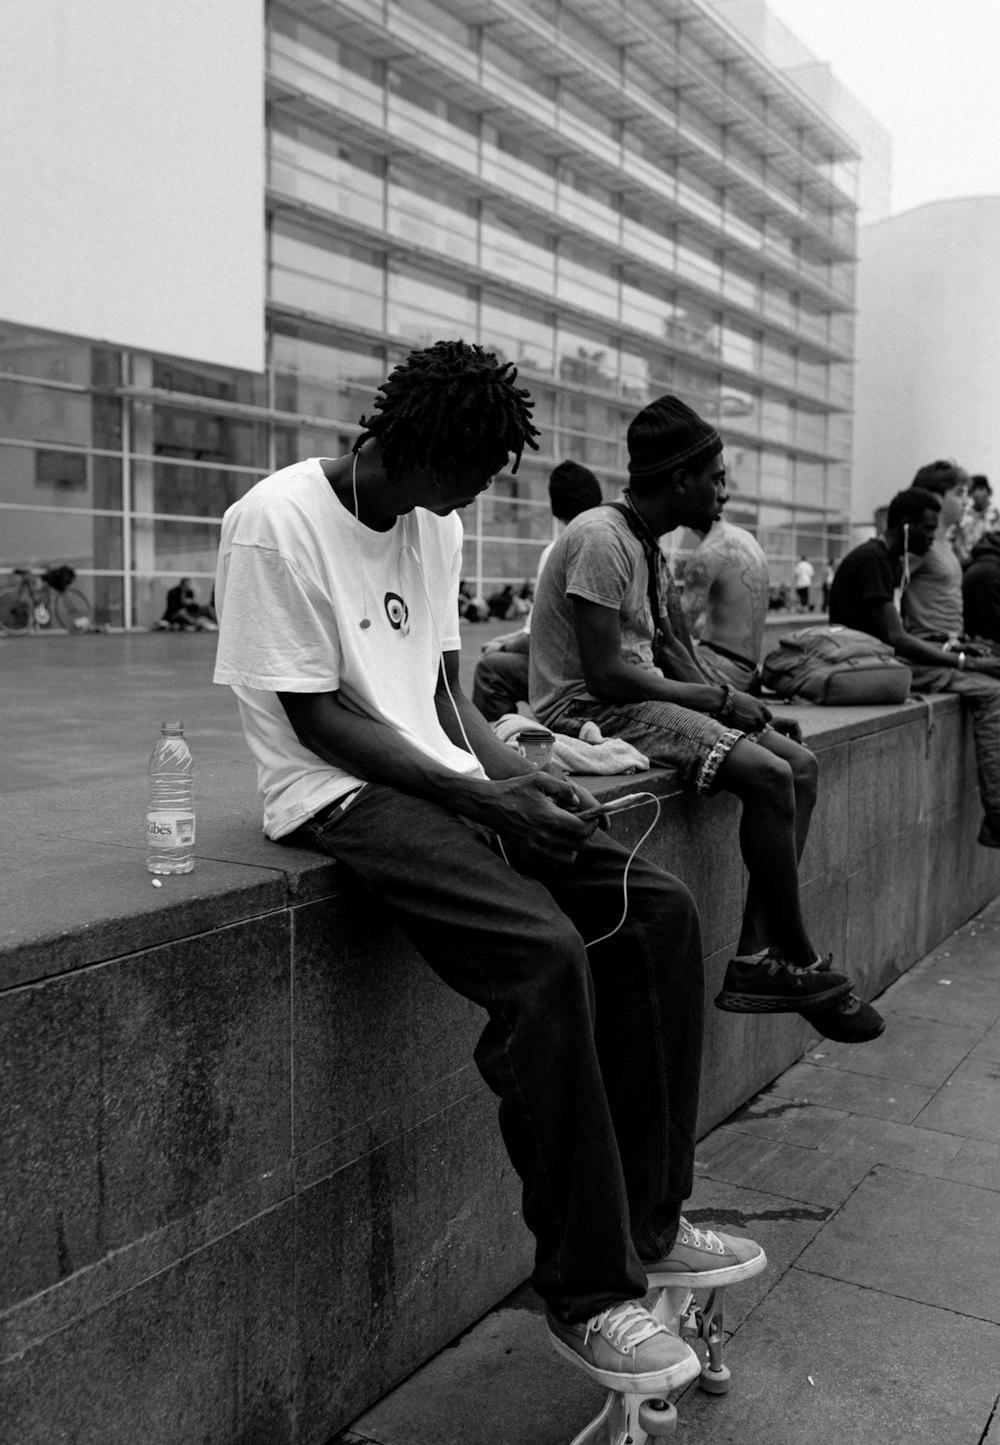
<point>252,1176</point>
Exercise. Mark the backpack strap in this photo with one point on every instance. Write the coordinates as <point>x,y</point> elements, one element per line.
<point>652,555</point>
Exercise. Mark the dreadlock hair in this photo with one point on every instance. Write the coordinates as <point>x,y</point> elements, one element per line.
<point>451,408</point>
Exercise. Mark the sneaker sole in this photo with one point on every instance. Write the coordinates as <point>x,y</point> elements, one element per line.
<point>673,1378</point>
<point>759,1003</point>
<point>707,1278</point>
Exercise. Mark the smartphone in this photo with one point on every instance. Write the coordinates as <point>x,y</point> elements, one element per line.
<point>614,806</point>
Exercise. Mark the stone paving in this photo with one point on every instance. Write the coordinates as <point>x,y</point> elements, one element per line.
<point>871,1175</point>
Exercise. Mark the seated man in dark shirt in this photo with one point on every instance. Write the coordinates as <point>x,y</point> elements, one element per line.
<point>981,590</point>
<point>863,596</point>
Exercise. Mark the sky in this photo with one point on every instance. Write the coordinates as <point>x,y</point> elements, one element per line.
<point>929,71</point>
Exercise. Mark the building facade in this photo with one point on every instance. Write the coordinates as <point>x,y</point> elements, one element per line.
<point>928,347</point>
<point>623,199</point>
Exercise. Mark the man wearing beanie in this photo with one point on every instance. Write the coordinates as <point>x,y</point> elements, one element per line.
<point>609,644</point>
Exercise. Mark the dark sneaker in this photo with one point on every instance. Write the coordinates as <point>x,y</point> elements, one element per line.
<point>989,833</point>
<point>766,983</point>
<point>848,1021</point>
<point>705,1259</point>
<point>625,1348</point>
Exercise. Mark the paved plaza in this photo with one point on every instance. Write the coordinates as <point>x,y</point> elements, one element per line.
<point>871,1175</point>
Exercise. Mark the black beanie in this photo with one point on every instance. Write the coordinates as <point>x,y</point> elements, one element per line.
<point>668,434</point>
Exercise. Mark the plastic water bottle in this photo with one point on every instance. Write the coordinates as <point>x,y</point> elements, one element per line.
<point>170,807</point>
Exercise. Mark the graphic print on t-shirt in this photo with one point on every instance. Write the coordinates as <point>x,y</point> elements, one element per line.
<point>396,610</point>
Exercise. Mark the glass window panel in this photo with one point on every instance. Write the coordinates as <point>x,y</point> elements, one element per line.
<point>700,389</point>
<point>694,327</point>
<point>740,287</point>
<point>775,476</point>
<point>587,360</point>
<point>324,379</point>
<point>333,278</point>
<point>192,491</point>
<point>166,545</point>
<point>199,436</point>
<point>40,413</point>
<point>439,20</point>
<point>579,113</point>
<point>524,80</point>
<point>292,444</point>
<point>324,67</point>
<point>216,382</point>
<point>637,377</point>
<point>588,431</point>
<point>46,537</point>
<point>740,408</point>
<point>47,356</point>
<point>429,215</point>
<point>649,236</point>
<point>49,477</point>
<point>517,335</point>
<point>320,170</point>
<point>423,307</point>
<point>699,195</point>
<point>809,429</point>
<point>650,308</point>
<point>518,167</point>
<point>506,560</point>
<point>524,254</point>
<point>587,282</point>
<point>776,361</point>
<point>742,473</point>
<point>810,482</point>
<point>698,263</point>
<point>588,38</point>
<point>738,347</point>
<point>776,420</point>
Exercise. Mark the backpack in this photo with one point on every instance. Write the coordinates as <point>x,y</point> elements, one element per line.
<point>837,667</point>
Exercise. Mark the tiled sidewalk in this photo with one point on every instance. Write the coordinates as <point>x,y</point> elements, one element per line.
<point>871,1175</point>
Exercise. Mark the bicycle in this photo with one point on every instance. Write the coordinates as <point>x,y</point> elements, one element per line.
<point>41,598</point>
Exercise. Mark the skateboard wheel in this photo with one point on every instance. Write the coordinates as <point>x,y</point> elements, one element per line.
<point>715,1382</point>
<point>657,1417</point>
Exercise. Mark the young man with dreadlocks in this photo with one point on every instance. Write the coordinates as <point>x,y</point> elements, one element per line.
<point>336,593</point>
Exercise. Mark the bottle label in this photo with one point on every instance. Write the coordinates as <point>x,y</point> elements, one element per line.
<point>169,830</point>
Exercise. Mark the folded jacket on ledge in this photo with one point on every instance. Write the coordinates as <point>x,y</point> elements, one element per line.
<point>589,753</point>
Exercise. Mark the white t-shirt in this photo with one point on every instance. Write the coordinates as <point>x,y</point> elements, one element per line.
<point>297,575</point>
<point>804,574</point>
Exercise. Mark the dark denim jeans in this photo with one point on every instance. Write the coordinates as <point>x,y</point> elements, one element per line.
<point>595,1058</point>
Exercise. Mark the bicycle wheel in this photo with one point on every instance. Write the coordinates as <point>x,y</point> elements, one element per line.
<point>15,611</point>
<point>73,611</point>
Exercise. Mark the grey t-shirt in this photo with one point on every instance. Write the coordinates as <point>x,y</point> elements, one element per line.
<point>932,604</point>
<point>598,558</point>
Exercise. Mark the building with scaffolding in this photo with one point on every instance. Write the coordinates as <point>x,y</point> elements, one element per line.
<point>624,199</point>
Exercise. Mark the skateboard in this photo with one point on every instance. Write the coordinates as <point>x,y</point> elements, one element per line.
<point>628,1418</point>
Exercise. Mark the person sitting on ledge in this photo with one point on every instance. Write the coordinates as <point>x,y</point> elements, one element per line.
<point>863,596</point>
<point>337,589</point>
<point>726,586</point>
<point>500,681</point>
<point>610,644</point>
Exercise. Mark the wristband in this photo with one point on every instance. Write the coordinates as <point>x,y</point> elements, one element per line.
<point>728,702</point>
<point>961,662</point>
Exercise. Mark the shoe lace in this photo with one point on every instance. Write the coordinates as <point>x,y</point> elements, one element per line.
<point>625,1326</point>
<point>701,1238</point>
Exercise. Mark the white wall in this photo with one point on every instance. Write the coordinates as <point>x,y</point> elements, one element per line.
<point>132,173</point>
<point>927,383</point>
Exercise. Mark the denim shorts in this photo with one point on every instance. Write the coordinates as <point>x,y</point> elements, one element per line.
<point>692,744</point>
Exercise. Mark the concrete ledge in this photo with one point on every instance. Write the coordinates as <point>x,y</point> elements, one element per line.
<point>258,1179</point>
